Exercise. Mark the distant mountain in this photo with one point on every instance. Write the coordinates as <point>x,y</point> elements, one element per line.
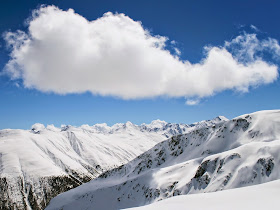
<point>240,152</point>
<point>38,164</point>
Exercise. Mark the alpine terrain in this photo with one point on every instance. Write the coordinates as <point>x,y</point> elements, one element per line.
<point>38,164</point>
<point>236,153</point>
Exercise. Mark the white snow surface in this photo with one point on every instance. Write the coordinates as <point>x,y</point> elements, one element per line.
<point>31,160</point>
<point>49,151</point>
<point>257,197</point>
<point>241,152</point>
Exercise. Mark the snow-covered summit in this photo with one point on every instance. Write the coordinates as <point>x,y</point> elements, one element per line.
<point>219,119</point>
<point>156,124</point>
<point>37,127</point>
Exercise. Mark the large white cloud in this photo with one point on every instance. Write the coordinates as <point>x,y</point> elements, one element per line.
<point>63,52</point>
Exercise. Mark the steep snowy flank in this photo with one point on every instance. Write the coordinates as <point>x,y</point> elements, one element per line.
<point>38,164</point>
<point>258,197</point>
<point>237,153</point>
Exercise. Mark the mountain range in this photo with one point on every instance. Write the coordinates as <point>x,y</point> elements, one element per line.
<point>40,163</point>
<point>229,154</point>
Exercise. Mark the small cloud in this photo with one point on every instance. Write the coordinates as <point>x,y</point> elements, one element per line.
<point>173,42</point>
<point>177,51</point>
<point>192,102</point>
<point>17,84</point>
<point>254,28</point>
<point>239,26</point>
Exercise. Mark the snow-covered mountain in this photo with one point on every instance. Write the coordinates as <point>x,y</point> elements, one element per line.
<point>237,153</point>
<point>38,164</point>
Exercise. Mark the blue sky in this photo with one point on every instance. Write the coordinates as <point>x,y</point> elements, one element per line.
<point>192,24</point>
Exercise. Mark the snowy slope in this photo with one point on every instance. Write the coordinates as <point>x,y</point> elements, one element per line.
<point>241,152</point>
<point>257,197</point>
<point>37,164</point>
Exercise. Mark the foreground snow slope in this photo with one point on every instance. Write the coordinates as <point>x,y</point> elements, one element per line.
<point>37,164</point>
<point>257,197</point>
<point>241,152</point>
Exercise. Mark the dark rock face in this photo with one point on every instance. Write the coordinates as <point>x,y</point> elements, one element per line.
<point>266,165</point>
<point>19,194</point>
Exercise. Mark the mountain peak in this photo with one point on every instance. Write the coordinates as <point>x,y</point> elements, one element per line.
<point>128,123</point>
<point>158,123</point>
<point>37,127</point>
<point>220,118</point>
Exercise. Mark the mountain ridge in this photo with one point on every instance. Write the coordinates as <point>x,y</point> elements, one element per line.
<point>240,152</point>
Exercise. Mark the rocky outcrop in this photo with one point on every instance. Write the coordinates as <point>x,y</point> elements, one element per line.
<point>20,194</point>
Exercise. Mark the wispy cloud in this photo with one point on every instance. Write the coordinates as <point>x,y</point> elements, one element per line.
<point>254,28</point>
<point>63,52</point>
<point>192,102</point>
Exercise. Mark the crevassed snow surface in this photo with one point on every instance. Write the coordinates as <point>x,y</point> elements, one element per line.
<point>257,197</point>
<point>237,153</point>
